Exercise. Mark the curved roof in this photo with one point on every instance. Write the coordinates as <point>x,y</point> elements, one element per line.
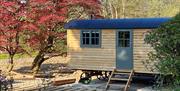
<point>131,23</point>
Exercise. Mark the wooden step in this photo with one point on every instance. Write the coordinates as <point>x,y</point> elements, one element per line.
<point>107,85</point>
<point>120,73</point>
<point>116,85</point>
<point>123,71</point>
<point>119,79</point>
<point>114,77</point>
<point>129,81</point>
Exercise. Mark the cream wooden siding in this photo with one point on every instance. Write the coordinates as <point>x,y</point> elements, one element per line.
<point>92,58</point>
<point>104,58</point>
<point>140,50</point>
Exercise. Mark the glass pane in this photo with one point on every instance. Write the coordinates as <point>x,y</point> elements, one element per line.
<point>90,38</point>
<point>84,41</point>
<point>126,43</point>
<point>97,41</point>
<point>97,34</point>
<point>93,34</point>
<point>84,35</point>
<point>124,39</point>
<point>121,43</point>
<point>95,38</point>
<point>121,35</point>
<point>87,34</point>
<point>93,41</point>
<point>85,38</point>
<point>87,41</point>
<point>126,35</point>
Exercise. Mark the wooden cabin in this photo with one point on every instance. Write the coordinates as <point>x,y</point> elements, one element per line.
<point>106,44</point>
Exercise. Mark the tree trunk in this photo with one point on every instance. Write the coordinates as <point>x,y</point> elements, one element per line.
<point>111,10</point>
<point>123,8</point>
<point>11,63</point>
<point>39,59</point>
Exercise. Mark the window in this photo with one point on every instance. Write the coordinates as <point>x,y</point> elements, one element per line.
<point>90,38</point>
<point>124,39</point>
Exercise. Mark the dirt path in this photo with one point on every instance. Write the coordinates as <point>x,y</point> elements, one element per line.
<point>22,74</point>
<point>26,62</point>
<point>57,66</point>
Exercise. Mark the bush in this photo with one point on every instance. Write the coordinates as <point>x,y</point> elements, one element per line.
<point>166,42</point>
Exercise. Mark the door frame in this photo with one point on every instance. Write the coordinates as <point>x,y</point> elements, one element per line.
<point>131,45</point>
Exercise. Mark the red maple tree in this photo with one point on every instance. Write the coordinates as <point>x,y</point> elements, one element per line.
<point>41,21</point>
<point>45,19</point>
<point>11,28</point>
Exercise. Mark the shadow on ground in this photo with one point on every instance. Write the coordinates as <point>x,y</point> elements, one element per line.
<point>58,67</point>
<point>139,84</point>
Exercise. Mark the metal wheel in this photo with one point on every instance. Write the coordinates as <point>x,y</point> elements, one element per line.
<point>104,75</point>
<point>85,78</point>
<point>101,76</point>
<point>107,74</point>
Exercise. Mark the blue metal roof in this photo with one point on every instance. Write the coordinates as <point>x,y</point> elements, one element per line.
<point>131,23</point>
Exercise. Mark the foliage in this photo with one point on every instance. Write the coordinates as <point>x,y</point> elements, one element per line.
<point>44,22</point>
<point>11,28</point>
<point>38,23</point>
<point>140,8</point>
<point>166,42</point>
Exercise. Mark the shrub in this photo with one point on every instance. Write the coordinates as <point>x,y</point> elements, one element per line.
<point>166,42</point>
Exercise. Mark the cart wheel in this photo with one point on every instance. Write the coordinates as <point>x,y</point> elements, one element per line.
<point>102,76</point>
<point>107,74</point>
<point>85,78</point>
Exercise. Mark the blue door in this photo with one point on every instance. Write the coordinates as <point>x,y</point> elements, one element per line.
<point>124,55</point>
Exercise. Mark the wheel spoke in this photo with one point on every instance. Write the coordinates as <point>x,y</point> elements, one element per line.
<point>85,78</point>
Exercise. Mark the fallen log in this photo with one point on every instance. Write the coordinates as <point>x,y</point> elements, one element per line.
<point>63,82</point>
<point>43,76</point>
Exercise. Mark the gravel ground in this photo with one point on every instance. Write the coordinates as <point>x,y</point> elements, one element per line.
<point>24,81</point>
<point>95,85</point>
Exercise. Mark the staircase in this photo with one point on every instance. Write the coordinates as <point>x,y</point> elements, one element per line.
<point>117,75</point>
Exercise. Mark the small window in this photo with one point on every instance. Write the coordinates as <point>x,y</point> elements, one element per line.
<point>90,38</point>
<point>86,38</point>
<point>124,39</point>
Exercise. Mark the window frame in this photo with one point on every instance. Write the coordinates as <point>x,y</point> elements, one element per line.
<point>124,39</point>
<point>90,39</point>
<point>131,38</point>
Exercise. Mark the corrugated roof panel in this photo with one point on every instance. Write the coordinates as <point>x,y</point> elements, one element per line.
<point>131,23</point>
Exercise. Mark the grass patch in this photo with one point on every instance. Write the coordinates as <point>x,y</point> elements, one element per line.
<point>17,56</point>
<point>177,89</point>
<point>3,56</point>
